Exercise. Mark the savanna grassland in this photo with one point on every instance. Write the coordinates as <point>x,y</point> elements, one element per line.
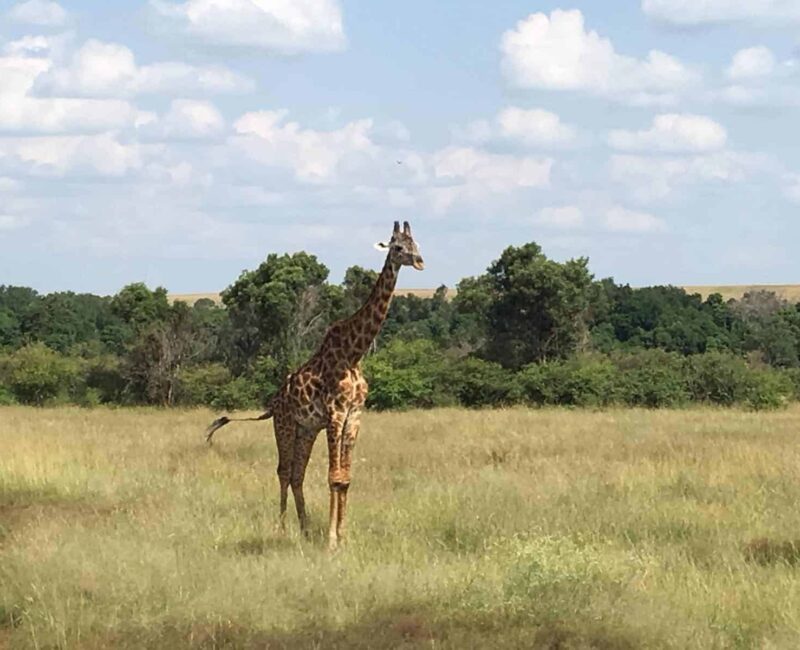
<point>515,528</point>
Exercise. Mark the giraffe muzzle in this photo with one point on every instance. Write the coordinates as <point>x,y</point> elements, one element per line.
<point>418,264</point>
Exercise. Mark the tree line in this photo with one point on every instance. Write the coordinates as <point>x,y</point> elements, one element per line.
<point>529,330</point>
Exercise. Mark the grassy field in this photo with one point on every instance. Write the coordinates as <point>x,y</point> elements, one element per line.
<point>504,529</point>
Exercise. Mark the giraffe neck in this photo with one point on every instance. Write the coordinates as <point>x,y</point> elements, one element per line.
<point>362,327</point>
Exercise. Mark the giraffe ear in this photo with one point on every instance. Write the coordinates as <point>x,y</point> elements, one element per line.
<point>380,246</point>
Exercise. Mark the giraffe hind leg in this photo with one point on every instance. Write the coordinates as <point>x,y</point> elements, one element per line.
<point>284,437</point>
<point>303,445</point>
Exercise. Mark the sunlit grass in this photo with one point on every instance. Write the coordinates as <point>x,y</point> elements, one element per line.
<point>518,528</point>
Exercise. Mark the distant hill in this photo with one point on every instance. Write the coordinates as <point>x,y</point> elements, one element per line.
<point>191,298</point>
<point>790,292</point>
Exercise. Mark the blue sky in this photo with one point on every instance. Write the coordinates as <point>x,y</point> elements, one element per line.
<point>179,142</point>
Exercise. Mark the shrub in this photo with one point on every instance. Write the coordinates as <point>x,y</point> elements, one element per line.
<point>580,381</point>
<point>475,382</point>
<point>105,380</point>
<point>6,397</point>
<point>202,384</point>
<point>652,378</point>
<point>718,378</point>
<point>407,374</point>
<point>35,375</point>
<point>768,389</point>
<point>239,393</point>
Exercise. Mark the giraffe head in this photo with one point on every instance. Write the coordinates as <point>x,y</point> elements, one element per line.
<point>403,250</point>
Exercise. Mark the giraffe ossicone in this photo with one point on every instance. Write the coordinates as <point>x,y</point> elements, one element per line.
<point>329,392</point>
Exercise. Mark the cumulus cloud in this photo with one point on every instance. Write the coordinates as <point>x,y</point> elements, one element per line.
<point>186,119</point>
<point>100,69</point>
<point>39,12</point>
<point>495,172</point>
<point>11,222</point>
<point>656,178</point>
<point>59,156</point>
<point>469,176</point>
<point>21,112</point>
<point>706,12</point>
<point>557,52</point>
<point>619,219</point>
<point>277,25</point>
<point>752,62</point>
<point>758,78</point>
<point>792,187</point>
<point>565,217</point>
<point>533,127</point>
<point>673,132</point>
<point>194,118</point>
<point>311,155</point>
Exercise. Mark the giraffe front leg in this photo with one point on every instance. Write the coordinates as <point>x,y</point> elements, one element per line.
<point>349,436</point>
<point>335,431</point>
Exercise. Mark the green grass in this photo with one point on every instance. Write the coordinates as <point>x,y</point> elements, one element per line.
<point>517,528</point>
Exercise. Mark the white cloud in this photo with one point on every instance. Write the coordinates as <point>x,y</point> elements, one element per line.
<point>37,46</point>
<point>109,69</point>
<point>313,156</point>
<point>703,12</point>
<point>188,119</point>
<point>10,222</point>
<point>286,26</point>
<point>59,115</point>
<point>752,62</point>
<point>757,78</point>
<point>656,178</point>
<point>495,172</point>
<point>17,74</point>
<point>557,53</point>
<point>39,12</point>
<point>59,156</point>
<point>673,132</point>
<point>792,187</point>
<point>563,217</point>
<point>469,176</point>
<point>20,112</point>
<point>619,219</point>
<point>534,127</point>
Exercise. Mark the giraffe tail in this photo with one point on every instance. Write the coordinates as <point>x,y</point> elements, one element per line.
<point>221,422</point>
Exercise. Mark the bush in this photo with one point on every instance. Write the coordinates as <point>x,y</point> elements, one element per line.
<point>768,389</point>
<point>202,384</point>
<point>35,375</point>
<point>407,374</point>
<point>475,382</point>
<point>105,381</point>
<point>6,397</point>
<point>652,378</point>
<point>239,393</point>
<point>581,381</point>
<point>718,378</point>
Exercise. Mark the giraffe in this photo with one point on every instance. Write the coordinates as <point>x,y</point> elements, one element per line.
<point>328,392</point>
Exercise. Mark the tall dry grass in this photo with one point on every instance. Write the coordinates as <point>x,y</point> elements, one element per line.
<point>518,528</point>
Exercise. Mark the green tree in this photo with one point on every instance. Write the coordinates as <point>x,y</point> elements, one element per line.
<point>280,309</point>
<point>15,304</point>
<point>155,360</point>
<point>536,308</point>
<point>138,306</point>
